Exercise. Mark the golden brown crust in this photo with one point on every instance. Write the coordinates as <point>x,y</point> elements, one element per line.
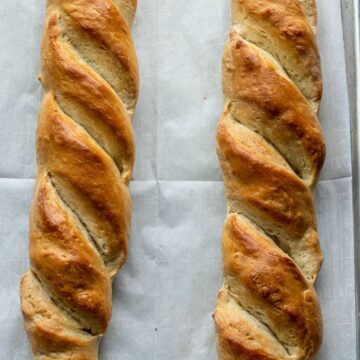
<point>261,97</point>
<point>81,211</point>
<point>239,336</point>
<point>270,195</point>
<point>64,260</point>
<point>66,75</point>
<point>271,150</point>
<point>266,281</point>
<point>106,24</point>
<point>106,211</point>
<point>282,28</point>
<point>50,329</point>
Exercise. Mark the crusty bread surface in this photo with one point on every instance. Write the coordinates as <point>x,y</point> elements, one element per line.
<point>81,211</point>
<point>271,150</point>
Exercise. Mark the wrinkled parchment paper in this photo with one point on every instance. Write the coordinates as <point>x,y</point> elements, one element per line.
<point>165,293</point>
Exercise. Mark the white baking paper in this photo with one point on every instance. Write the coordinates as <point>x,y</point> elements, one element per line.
<point>164,295</point>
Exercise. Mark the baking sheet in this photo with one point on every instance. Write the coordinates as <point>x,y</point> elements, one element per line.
<point>165,293</point>
<point>352,46</point>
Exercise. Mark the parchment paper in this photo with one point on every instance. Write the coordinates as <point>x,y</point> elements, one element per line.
<point>165,293</point>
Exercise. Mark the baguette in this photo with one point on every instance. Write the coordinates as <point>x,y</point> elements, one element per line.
<point>271,150</point>
<point>81,211</point>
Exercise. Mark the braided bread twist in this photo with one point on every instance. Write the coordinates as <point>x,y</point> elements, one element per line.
<point>80,216</point>
<point>271,150</point>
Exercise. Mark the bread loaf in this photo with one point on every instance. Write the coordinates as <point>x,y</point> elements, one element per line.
<point>81,210</point>
<point>271,150</point>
